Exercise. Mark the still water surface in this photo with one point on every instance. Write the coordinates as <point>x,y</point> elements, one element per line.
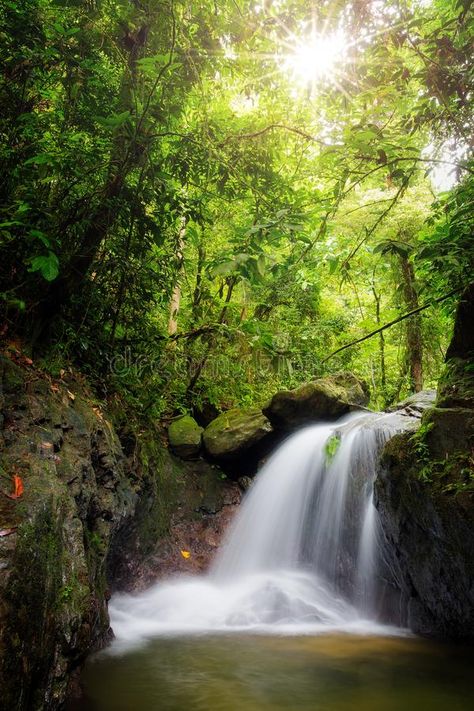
<point>271,673</point>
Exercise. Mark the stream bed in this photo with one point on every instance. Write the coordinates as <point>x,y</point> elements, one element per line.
<point>269,673</point>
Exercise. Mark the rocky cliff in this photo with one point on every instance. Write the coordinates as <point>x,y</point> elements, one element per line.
<point>79,515</point>
<point>425,497</point>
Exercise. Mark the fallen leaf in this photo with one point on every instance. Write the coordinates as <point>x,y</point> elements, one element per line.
<point>185,554</point>
<point>18,486</point>
<point>71,395</point>
<point>54,388</point>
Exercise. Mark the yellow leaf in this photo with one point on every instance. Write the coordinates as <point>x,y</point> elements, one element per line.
<point>185,554</point>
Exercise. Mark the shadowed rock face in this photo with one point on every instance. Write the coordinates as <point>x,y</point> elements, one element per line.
<point>425,497</point>
<point>429,546</point>
<point>87,519</point>
<point>325,398</point>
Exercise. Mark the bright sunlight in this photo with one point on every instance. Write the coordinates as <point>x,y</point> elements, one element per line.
<point>317,58</point>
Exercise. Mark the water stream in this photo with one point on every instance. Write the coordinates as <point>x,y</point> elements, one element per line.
<point>301,555</point>
<point>287,617</point>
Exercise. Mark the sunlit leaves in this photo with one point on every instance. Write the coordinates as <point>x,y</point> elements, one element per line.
<point>115,120</point>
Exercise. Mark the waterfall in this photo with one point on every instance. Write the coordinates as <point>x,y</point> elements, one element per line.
<point>301,555</point>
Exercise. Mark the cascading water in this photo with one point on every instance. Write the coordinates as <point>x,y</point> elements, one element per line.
<point>301,555</point>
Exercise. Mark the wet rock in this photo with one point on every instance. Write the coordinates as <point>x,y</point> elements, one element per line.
<point>429,546</point>
<point>203,503</point>
<point>88,518</point>
<point>425,497</point>
<point>416,404</point>
<point>184,436</point>
<point>456,385</point>
<point>325,398</point>
<point>245,482</point>
<point>449,431</point>
<point>234,433</point>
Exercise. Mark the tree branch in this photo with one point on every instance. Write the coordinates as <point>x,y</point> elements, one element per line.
<point>392,323</point>
<point>291,129</point>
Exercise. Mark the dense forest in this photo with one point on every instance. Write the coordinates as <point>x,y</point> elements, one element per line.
<point>205,201</point>
<point>236,354</point>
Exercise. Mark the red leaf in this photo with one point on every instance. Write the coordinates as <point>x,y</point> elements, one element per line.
<point>19,488</point>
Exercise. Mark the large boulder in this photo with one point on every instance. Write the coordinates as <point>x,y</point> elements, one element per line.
<point>325,398</point>
<point>235,432</point>
<point>184,436</point>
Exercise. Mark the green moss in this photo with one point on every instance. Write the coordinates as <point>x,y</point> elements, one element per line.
<point>163,485</point>
<point>32,595</point>
<point>456,385</point>
<point>184,436</point>
<point>235,431</point>
<point>184,430</point>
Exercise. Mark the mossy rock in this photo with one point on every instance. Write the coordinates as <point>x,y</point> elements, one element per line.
<point>235,432</point>
<point>428,539</point>
<point>325,398</point>
<point>450,430</point>
<point>184,436</point>
<point>456,385</point>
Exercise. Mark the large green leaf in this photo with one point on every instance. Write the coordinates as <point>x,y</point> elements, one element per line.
<point>47,265</point>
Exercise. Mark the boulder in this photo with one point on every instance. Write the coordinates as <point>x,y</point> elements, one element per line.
<point>184,436</point>
<point>321,399</point>
<point>235,432</point>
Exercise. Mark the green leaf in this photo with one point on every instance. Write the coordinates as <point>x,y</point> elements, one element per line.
<point>48,265</point>
<point>333,264</point>
<point>115,120</point>
<point>37,234</point>
<point>261,264</point>
<point>224,268</point>
<point>40,159</point>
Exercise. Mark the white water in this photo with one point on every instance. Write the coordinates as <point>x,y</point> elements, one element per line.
<point>301,555</point>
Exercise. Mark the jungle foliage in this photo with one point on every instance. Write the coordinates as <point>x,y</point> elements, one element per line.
<point>191,222</point>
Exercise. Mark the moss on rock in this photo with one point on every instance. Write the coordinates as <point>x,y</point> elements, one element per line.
<point>235,432</point>
<point>82,499</point>
<point>328,397</point>
<point>184,436</point>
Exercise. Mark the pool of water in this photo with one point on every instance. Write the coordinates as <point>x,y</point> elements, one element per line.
<point>263,673</point>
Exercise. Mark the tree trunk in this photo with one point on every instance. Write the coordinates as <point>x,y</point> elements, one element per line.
<point>125,155</point>
<point>175,301</point>
<point>462,342</point>
<point>383,371</point>
<point>414,342</point>
<point>231,282</point>
<point>197,294</point>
